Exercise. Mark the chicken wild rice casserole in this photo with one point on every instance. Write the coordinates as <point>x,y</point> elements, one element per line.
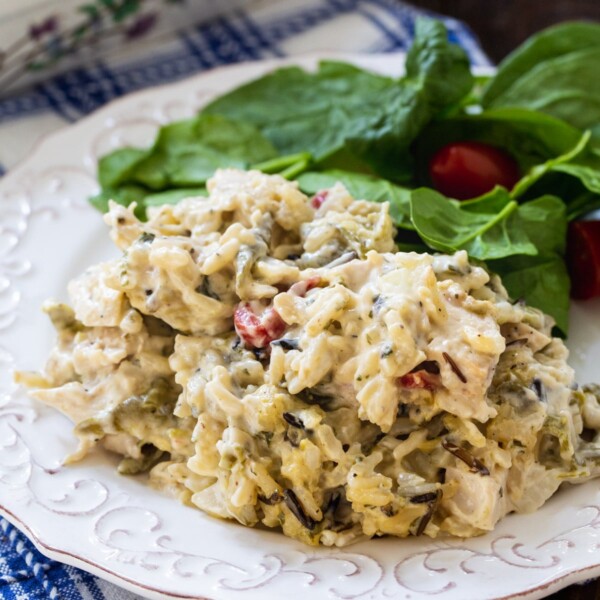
<point>271,358</point>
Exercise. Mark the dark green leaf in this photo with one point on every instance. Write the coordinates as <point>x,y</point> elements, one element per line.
<point>544,222</point>
<point>573,176</point>
<point>551,43</point>
<point>184,155</point>
<point>188,152</point>
<point>554,72</point>
<point>439,70</point>
<point>125,195</point>
<point>343,109</point>
<point>315,112</point>
<point>173,196</point>
<point>541,280</point>
<point>116,167</point>
<point>488,228</point>
<point>164,170</point>
<point>567,87</point>
<point>585,167</point>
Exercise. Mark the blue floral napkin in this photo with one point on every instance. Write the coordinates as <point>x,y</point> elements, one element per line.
<point>262,29</point>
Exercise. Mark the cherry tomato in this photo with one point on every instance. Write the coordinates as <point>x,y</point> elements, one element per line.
<point>465,170</point>
<point>257,326</point>
<point>583,259</point>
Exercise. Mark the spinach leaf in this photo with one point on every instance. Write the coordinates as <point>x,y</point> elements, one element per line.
<point>363,187</point>
<point>341,109</point>
<point>184,155</point>
<point>487,228</point>
<point>538,171</point>
<point>315,112</point>
<point>438,69</point>
<point>524,243</point>
<point>585,166</point>
<point>124,194</point>
<point>573,176</point>
<point>550,43</point>
<point>173,196</point>
<point>588,174</point>
<point>541,280</point>
<point>187,153</point>
<point>116,167</point>
<point>553,72</point>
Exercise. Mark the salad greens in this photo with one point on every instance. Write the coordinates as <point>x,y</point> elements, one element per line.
<point>369,118</point>
<point>377,135</point>
<point>491,227</point>
<point>554,72</point>
<point>541,279</point>
<point>188,152</point>
<point>184,155</point>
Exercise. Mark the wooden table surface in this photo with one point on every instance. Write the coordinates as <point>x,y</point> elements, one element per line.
<point>501,25</point>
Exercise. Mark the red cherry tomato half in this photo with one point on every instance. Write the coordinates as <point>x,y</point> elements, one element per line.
<point>583,259</point>
<point>465,170</point>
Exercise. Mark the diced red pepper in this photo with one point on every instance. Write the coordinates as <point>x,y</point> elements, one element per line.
<point>257,330</point>
<point>419,380</point>
<point>583,259</point>
<point>301,287</point>
<point>318,199</point>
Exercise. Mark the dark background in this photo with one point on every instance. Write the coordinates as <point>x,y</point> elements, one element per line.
<point>501,25</point>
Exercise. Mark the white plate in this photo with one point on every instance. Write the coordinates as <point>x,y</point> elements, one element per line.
<point>116,527</point>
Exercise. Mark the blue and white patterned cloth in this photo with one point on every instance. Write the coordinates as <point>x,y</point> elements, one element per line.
<point>266,28</point>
